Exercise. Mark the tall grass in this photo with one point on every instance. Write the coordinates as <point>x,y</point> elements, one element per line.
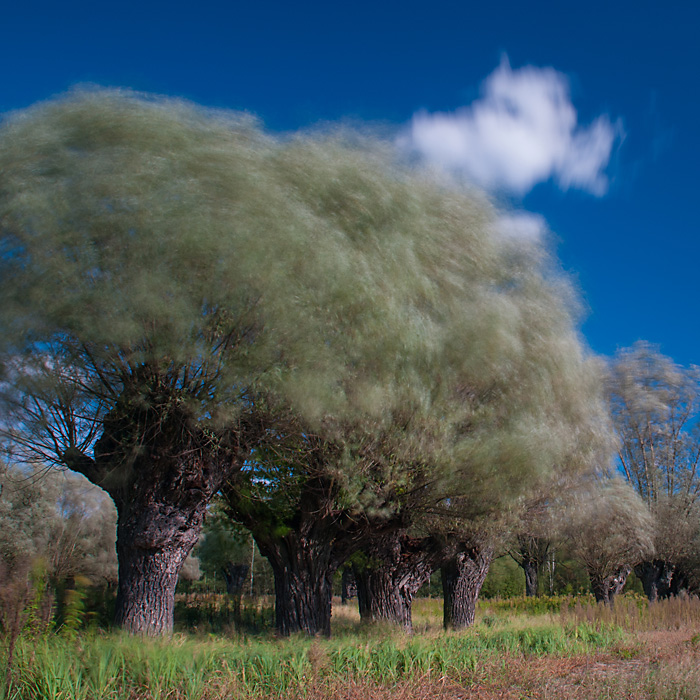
<point>115,666</point>
<point>636,614</point>
<point>509,641</point>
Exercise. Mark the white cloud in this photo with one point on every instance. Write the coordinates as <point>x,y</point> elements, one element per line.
<point>522,131</point>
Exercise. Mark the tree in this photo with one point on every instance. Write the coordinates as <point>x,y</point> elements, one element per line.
<point>610,530</point>
<point>537,523</point>
<point>225,551</point>
<point>57,529</point>
<point>311,500</point>
<point>300,499</point>
<point>395,565</point>
<point>60,519</point>
<point>532,541</point>
<point>462,579</point>
<point>655,405</point>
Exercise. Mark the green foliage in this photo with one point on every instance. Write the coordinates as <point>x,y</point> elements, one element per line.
<point>184,294</point>
<point>223,541</point>
<point>74,607</point>
<point>505,579</point>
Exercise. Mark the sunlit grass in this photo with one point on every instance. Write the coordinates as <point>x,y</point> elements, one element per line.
<point>520,643</point>
<point>186,666</point>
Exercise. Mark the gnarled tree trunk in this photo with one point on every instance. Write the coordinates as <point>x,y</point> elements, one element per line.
<point>303,565</point>
<point>462,578</point>
<point>161,471</point>
<point>305,548</point>
<point>397,566</point>
<point>606,588</point>
<point>157,528</point>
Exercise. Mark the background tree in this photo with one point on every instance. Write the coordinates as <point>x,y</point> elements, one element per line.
<point>611,531</point>
<point>60,519</point>
<point>58,531</point>
<point>655,405</point>
<point>532,539</point>
<point>227,552</point>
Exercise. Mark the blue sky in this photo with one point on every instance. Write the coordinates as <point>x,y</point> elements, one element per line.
<point>582,115</point>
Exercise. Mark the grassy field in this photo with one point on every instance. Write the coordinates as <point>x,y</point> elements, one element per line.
<point>546,648</point>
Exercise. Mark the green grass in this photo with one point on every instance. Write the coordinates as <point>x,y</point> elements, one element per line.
<point>511,639</point>
<point>115,666</point>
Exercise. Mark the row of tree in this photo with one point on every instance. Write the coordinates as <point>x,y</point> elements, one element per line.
<point>648,519</point>
<point>357,357</point>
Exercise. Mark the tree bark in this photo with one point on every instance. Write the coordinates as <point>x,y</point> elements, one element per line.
<point>531,574</point>
<point>156,530</point>
<point>462,579</point>
<point>397,566</point>
<point>606,588</point>
<point>146,593</point>
<point>656,577</point>
<point>161,471</point>
<point>303,567</point>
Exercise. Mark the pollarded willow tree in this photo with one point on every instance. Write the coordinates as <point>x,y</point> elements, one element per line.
<point>611,532</point>
<point>170,277</point>
<point>655,405</point>
<point>548,388</point>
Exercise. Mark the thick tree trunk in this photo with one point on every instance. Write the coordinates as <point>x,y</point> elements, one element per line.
<point>153,541</point>
<point>398,565</point>
<point>303,567</point>
<point>161,470</point>
<point>606,588</point>
<point>462,579</point>
<point>530,568</point>
<point>146,593</point>
<point>381,599</point>
<point>656,577</point>
<point>305,548</point>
